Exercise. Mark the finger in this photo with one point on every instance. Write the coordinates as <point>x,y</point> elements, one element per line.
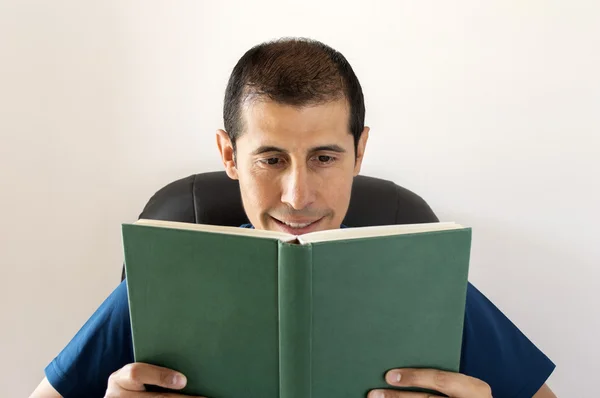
<point>132,377</point>
<point>399,394</point>
<point>448,383</point>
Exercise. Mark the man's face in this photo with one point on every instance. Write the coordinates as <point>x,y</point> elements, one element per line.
<point>295,165</point>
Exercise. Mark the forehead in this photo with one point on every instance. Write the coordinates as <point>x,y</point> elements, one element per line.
<point>272,121</point>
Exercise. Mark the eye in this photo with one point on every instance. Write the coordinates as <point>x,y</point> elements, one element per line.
<point>272,162</point>
<point>325,159</point>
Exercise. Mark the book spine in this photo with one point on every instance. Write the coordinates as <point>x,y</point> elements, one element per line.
<point>295,320</point>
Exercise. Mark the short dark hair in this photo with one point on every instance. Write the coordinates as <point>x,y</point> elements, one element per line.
<point>293,71</point>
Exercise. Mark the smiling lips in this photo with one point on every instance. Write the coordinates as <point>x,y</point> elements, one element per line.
<point>297,226</point>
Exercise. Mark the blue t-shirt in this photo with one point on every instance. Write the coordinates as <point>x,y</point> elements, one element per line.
<point>493,350</point>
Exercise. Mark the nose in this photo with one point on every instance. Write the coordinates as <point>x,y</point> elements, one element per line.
<point>298,191</point>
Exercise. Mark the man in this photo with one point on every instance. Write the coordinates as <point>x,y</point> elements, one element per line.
<point>295,138</point>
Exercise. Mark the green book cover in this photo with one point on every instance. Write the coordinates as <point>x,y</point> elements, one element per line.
<point>249,313</point>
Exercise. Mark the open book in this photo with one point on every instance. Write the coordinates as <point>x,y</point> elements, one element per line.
<point>244,312</point>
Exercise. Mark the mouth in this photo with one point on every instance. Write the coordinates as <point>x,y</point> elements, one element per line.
<point>297,227</point>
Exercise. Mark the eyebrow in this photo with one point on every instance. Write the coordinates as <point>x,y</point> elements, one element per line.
<point>269,148</point>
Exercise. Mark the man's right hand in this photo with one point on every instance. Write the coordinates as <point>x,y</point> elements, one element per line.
<point>129,381</point>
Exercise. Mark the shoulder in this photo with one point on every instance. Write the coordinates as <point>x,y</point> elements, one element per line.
<point>497,352</point>
<point>100,347</point>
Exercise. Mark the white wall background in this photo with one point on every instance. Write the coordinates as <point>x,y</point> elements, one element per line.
<point>489,110</point>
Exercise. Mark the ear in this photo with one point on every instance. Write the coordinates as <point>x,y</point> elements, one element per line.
<point>360,150</point>
<point>227,156</point>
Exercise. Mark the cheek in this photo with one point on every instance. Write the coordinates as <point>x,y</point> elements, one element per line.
<point>336,192</point>
<point>258,190</point>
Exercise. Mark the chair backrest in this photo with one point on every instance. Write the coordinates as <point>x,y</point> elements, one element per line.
<point>213,198</point>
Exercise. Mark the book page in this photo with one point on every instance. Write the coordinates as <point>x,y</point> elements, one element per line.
<point>219,229</point>
<point>367,232</point>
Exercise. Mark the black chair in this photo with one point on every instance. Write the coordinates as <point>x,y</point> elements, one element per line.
<point>213,198</point>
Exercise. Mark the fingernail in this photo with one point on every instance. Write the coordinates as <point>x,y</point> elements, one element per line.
<point>394,377</point>
<point>377,394</point>
<point>178,380</point>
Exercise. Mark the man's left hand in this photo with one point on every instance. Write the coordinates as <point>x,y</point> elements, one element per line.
<point>454,385</point>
